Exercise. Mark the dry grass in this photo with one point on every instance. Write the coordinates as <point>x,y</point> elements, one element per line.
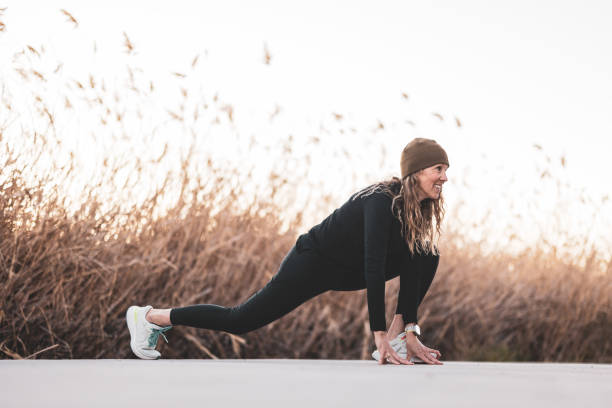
<point>68,272</point>
<point>65,286</point>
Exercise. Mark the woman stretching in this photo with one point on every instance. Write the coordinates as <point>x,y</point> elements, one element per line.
<point>383,231</point>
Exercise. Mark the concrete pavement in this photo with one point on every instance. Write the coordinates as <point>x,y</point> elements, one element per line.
<point>300,383</point>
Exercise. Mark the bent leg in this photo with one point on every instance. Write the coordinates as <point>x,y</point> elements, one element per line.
<point>298,279</point>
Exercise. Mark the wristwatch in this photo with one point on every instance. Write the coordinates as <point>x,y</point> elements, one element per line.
<point>413,328</point>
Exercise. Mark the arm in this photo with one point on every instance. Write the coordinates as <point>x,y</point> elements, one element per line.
<point>376,226</point>
<point>415,280</point>
<point>427,275</point>
<point>408,299</point>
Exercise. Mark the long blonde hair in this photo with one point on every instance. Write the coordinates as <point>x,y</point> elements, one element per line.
<point>416,217</point>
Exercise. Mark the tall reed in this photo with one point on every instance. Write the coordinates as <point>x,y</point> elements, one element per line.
<point>174,224</point>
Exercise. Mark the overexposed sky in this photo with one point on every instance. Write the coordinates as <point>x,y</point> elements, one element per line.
<point>516,73</point>
<point>511,70</point>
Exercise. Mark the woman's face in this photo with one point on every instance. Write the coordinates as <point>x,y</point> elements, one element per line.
<point>430,181</point>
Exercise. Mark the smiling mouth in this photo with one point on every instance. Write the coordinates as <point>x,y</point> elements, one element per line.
<point>438,188</point>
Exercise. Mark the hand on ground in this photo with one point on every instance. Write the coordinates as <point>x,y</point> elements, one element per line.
<point>415,348</point>
<point>387,354</point>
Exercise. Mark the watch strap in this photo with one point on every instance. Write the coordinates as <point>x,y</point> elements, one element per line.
<point>413,328</point>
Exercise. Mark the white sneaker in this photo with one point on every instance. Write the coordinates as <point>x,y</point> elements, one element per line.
<point>144,334</point>
<point>399,345</point>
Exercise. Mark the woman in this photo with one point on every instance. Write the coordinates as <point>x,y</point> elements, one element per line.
<point>383,231</point>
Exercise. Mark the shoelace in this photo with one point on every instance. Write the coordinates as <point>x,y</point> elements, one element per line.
<point>155,335</point>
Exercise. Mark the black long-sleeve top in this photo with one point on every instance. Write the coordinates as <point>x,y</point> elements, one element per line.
<point>365,237</point>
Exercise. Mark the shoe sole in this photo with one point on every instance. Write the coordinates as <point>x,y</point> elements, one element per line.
<point>132,329</point>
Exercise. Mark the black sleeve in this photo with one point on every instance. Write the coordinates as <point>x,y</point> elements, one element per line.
<point>415,279</point>
<point>376,228</point>
<point>409,293</point>
<point>427,275</point>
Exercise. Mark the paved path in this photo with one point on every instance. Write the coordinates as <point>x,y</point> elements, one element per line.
<point>300,383</point>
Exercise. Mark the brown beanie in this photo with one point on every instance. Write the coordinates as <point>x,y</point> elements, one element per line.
<point>421,153</point>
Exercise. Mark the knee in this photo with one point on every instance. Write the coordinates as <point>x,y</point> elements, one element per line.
<point>242,328</point>
<point>239,330</point>
<point>239,322</point>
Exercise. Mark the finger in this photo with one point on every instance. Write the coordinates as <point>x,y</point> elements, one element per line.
<point>394,360</point>
<point>427,358</point>
<point>436,361</point>
<point>388,357</point>
<point>393,357</point>
<point>437,355</point>
<point>406,361</point>
<point>402,360</point>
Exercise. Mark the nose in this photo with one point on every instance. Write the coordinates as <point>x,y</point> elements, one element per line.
<point>443,176</point>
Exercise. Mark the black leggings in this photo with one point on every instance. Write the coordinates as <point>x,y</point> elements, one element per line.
<point>302,275</point>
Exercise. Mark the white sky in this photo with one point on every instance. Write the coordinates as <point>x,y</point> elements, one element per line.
<point>516,72</point>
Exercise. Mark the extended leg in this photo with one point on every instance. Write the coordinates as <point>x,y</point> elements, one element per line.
<point>298,279</point>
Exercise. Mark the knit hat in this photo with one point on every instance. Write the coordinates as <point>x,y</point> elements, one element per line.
<point>421,153</point>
